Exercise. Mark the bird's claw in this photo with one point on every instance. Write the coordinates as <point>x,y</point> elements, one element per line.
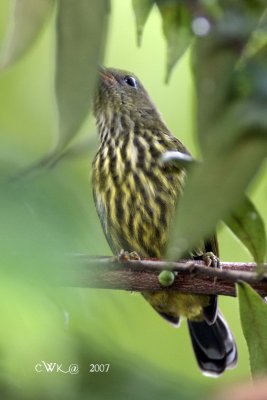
<point>211,260</point>
<point>128,256</point>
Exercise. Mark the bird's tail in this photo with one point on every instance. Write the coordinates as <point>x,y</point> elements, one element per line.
<point>214,346</point>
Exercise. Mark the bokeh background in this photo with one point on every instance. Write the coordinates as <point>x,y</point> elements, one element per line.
<point>51,215</point>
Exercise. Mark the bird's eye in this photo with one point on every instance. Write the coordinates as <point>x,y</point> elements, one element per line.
<point>131,81</point>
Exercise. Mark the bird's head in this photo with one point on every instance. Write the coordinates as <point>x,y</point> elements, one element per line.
<point>120,93</point>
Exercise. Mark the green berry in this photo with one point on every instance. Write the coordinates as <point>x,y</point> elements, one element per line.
<point>166,278</point>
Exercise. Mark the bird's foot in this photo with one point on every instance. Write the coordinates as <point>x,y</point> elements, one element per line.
<point>128,256</point>
<point>210,259</point>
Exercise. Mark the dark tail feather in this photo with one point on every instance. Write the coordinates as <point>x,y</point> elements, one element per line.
<point>175,321</point>
<point>214,346</point>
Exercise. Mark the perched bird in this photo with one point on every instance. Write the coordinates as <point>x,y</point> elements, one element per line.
<point>136,195</point>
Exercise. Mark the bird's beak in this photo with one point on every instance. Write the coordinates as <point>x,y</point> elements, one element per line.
<point>105,76</point>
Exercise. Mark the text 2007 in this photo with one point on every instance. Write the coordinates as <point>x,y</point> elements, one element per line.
<point>99,367</point>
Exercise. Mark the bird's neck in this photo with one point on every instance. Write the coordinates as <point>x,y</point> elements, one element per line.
<point>115,126</point>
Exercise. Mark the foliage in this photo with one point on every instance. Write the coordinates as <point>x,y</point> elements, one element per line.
<point>29,18</point>
<point>75,65</point>
<point>233,146</point>
<point>248,225</point>
<point>253,313</point>
<point>232,127</point>
<point>229,57</point>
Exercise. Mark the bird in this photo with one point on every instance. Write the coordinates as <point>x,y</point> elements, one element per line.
<point>136,196</point>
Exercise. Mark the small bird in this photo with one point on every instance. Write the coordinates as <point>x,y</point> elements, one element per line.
<point>136,195</point>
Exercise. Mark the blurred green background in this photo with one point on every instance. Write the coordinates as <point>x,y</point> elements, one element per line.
<point>50,216</point>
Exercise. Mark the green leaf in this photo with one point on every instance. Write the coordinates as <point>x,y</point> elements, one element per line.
<point>176,24</point>
<point>214,66</point>
<point>217,185</point>
<point>80,33</point>
<point>258,39</point>
<point>40,234</point>
<point>28,19</point>
<point>76,150</point>
<point>142,10</point>
<point>247,224</point>
<point>232,129</point>
<point>253,314</point>
<point>80,36</point>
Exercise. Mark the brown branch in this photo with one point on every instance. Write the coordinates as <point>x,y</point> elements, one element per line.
<point>192,276</point>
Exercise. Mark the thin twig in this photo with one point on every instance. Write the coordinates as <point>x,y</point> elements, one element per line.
<point>142,275</point>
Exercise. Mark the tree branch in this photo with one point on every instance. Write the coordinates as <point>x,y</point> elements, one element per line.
<point>135,275</point>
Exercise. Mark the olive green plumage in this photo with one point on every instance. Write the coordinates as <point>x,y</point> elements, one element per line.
<point>135,194</point>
